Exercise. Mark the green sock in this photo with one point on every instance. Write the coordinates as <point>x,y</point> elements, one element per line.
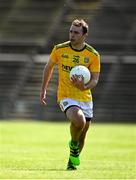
<point>75,143</point>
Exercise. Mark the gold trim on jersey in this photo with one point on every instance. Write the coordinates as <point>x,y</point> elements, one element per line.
<point>91,49</point>
<point>63,45</point>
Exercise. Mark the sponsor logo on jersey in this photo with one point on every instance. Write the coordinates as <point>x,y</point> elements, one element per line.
<point>64,56</point>
<point>66,68</point>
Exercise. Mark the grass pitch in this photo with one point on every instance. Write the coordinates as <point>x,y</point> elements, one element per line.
<point>39,150</point>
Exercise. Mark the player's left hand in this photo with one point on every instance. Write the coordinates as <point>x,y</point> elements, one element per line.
<point>78,82</point>
<point>43,98</point>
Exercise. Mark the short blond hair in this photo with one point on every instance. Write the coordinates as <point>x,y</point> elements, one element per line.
<point>81,23</point>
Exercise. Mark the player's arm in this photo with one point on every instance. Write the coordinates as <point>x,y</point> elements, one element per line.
<point>95,72</point>
<point>94,80</point>
<point>80,83</point>
<point>47,73</point>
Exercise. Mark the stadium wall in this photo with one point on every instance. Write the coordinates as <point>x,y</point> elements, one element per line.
<point>20,81</point>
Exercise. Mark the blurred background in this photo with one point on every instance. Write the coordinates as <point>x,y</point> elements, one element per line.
<point>28,31</point>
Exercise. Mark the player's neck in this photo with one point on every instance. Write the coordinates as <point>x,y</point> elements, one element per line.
<point>78,46</point>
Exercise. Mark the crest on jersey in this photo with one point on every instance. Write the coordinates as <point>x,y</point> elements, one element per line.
<point>65,103</point>
<point>86,59</point>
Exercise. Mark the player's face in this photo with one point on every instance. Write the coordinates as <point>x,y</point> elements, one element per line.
<point>76,35</point>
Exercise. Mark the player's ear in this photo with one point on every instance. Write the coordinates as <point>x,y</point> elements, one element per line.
<point>86,34</point>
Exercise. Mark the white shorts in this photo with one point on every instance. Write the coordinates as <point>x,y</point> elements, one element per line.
<point>86,107</point>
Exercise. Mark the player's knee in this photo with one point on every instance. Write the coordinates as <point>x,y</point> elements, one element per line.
<point>80,122</point>
<point>77,117</point>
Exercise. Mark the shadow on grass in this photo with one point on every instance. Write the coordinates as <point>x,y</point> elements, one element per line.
<point>40,169</point>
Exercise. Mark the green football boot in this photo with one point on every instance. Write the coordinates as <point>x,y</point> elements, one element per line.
<point>71,166</point>
<point>74,154</point>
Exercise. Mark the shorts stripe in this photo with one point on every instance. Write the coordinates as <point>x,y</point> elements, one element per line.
<point>70,106</point>
<point>86,107</point>
<point>88,118</point>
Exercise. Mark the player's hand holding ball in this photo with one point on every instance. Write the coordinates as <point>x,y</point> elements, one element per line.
<point>80,76</point>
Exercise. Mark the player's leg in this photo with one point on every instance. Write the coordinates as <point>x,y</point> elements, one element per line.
<point>78,122</point>
<point>81,144</point>
<point>78,127</point>
<point>87,108</point>
<point>83,136</point>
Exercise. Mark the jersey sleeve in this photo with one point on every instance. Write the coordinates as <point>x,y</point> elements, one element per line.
<point>53,55</point>
<point>95,65</point>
